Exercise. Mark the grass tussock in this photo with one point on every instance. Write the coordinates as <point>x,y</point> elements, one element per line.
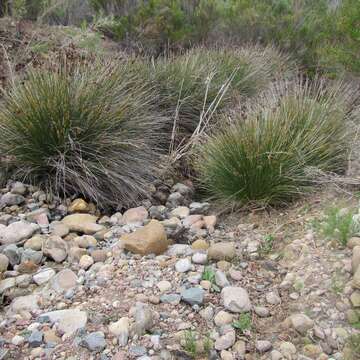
<point>203,79</point>
<point>266,158</point>
<point>88,130</point>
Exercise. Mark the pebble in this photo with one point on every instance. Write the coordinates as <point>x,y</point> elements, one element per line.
<point>263,346</point>
<point>94,341</point>
<point>236,299</point>
<point>199,258</point>
<point>183,265</point>
<point>193,296</point>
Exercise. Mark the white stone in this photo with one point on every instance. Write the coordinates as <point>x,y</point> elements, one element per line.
<point>43,276</point>
<point>235,299</point>
<point>183,265</point>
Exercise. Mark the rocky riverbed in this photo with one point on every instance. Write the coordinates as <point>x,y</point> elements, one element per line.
<point>166,280</point>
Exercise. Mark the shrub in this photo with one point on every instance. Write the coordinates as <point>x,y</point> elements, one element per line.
<point>88,129</point>
<point>266,157</point>
<point>190,84</point>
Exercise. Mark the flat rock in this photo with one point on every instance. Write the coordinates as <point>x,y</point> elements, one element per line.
<point>25,303</point>
<point>69,320</point>
<point>43,276</point>
<point>94,341</point>
<point>63,281</point>
<point>193,296</point>
<point>82,223</point>
<point>150,239</point>
<point>235,299</point>
<point>17,231</point>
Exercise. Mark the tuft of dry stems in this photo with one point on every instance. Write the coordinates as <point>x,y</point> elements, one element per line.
<point>89,130</point>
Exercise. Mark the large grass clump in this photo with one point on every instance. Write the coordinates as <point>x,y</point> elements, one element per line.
<point>269,158</point>
<point>203,81</point>
<point>87,130</point>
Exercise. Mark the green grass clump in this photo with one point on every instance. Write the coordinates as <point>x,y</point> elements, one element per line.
<point>87,130</point>
<point>202,79</point>
<point>338,224</point>
<point>269,158</point>
<point>244,322</point>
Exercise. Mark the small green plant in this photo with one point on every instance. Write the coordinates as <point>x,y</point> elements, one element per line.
<point>338,224</point>
<point>273,155</point>
<point>209,275</point>
<point>208,344</point>
<point>299,285</point>
<point>267,244</point>
<point>190,342</point>
<point>244,322</point>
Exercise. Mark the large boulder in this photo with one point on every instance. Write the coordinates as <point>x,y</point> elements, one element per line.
<point>151,239</point>
<point>17,231</point>
<point>82,223</point>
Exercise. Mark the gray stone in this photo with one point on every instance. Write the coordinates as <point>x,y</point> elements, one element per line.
<point>193,296</point>
<point>301,323</point>
<point>55,248</point>
<point>24,303</point>
<point>170,298</point>
<point>261,311</point>
<point>263,346</point>
<point>94,341</point>
<point>17,231</point>
<point>10,199</point>
<point>143,319</point>
<point>31,255</point>
<point>235,299</point>
<point>35,339</point>
<point>225,341</point>
<point>13,253</point>
<point>221,279</point>
<point>273,298</point>
<point>7,284</point>
<point>137,350</point>
<point>199,208</point>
